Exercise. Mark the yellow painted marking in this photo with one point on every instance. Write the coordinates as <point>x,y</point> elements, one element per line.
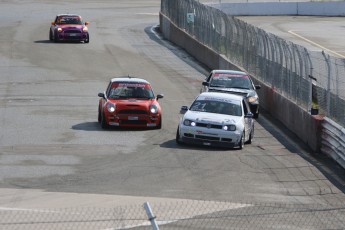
<point>316,44</point>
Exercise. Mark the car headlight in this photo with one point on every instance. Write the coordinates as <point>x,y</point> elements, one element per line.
<point>111,107</point>
<point>59,29</point>
<point>252,99</point>
<point>154,108</point>
<point>85,29</point>
<point>229,127</point>
<point>189,123</point>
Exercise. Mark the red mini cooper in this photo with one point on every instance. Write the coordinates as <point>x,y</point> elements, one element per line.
<point>129,102</point>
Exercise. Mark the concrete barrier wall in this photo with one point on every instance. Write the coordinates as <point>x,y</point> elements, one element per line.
<point>321,8</point>
<point>305,126</point>
<point>283,8</point>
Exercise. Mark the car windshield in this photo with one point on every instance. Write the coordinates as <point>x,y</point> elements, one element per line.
<point>75,20</point>
<point>130,90</point>
<point>231,81</point>
<point>221,107</point>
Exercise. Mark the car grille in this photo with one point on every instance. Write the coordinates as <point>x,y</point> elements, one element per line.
<point>209,138</point>
<point>72,31</point>
<point>209,126</point>
<point>132,111</point>
<point>135,122</point>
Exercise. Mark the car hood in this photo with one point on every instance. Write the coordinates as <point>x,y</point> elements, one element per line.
<point>70,26</point>
<point>133,103</point>
<point>211,118</point>
<point>242,92</point>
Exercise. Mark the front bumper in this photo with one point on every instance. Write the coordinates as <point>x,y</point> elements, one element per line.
<point>209,137</point>
<point>140,121</point>
<point>76,36</point>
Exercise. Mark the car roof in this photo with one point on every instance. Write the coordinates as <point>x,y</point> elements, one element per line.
<point>129,79</point>
<point>228,71</point>
<point>222,96</point>
<point>68,15</point>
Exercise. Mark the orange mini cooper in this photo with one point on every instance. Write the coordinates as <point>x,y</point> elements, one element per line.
<point>129,102</point>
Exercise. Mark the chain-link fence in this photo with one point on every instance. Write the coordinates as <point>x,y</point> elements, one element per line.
<point>255,1</point>
<point>313,80</point>
<point>179,215</point>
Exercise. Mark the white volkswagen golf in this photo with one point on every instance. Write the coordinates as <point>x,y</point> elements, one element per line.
<point>216,119</point>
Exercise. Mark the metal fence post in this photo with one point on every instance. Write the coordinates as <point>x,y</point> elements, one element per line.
<point>150,215</point>
<point>328,84</point>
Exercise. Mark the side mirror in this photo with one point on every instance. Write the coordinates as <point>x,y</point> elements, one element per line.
<point>184,109</point>
<point>159,96</point>
<point>53,23</point>
<point>205,83</point>
<point>258,87</point>
<point>102,95</point>
<point>87,23</point>
<point>249,115</point>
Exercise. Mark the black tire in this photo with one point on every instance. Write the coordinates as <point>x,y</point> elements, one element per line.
<point>241,143</point>
<point>251,135</point>
<point>104,124</point>
<point>56,39</point>
<point>87,40</point>
<point>256,115</point>
<point>160,124</point>
<point>99,115</point>
<point>178,138</point>
<point>50,35</point>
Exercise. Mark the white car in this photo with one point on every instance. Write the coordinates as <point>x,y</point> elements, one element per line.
<point>216,119</point>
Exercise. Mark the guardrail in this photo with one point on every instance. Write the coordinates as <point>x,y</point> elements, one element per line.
<point>333,140</point>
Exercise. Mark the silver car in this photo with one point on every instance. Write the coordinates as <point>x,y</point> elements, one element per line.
<point>216,119</point>
<point>235,82</point>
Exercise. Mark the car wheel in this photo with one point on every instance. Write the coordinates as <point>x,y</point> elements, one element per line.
<point>160,124</point>
<point>99,115</point>
<point>56,39</point>
<point>50,35</point>
<point>104,124</point>
<point>178,138</point>
<point>241,143</point>
<point>87,40</point>
<point>251,135</point>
